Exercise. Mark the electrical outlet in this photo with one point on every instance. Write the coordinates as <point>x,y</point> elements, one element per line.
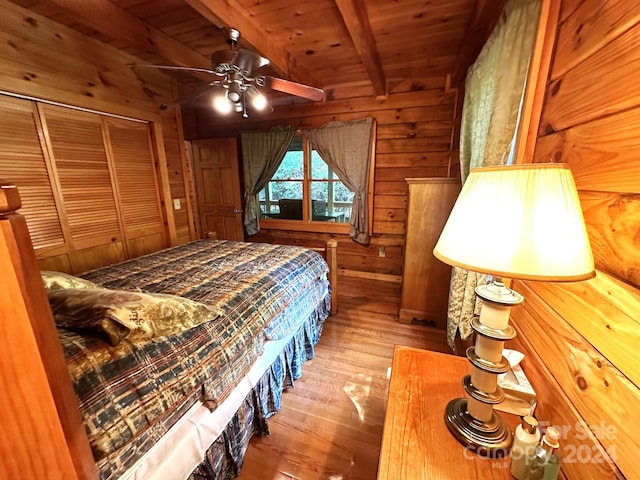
<point>382,252</point>
<point>176,204</point>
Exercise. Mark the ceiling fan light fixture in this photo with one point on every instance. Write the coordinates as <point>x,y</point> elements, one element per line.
<point>257,99</point>
<point>234,96</point>
<point>221,103</point>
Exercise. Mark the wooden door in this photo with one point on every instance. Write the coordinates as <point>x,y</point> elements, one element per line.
<point>24,162</point>
<point>84,179</point>
<point>218,186</point>
<point>136,188</point>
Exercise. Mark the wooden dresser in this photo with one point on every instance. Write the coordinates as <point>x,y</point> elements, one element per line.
<point>416,444</point>
<point>425,279</point>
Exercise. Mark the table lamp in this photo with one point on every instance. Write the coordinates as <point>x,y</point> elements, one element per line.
<point>522,222</point>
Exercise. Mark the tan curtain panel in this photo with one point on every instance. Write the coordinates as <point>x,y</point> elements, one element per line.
<point>346,147</point>
<point>262,154</point>
<point>493,95</point>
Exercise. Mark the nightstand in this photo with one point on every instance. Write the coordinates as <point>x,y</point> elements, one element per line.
<point>416,444</point>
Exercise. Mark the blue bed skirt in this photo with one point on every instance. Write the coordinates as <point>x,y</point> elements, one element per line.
<point>225,456</point>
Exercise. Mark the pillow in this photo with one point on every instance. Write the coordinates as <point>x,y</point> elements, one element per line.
<point>121,314</point>
<point>58,280</point>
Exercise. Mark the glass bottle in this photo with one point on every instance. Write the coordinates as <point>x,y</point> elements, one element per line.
<point>546,460</point>
<point>526,438</point>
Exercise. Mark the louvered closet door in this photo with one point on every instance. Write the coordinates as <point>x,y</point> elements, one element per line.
<point>136,185</point>
<point>23,162</point>
<point>77,147</point>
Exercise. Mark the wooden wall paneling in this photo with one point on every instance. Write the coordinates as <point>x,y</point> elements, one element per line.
<point>567,8</point>
<point>590,25</point>
<point>554,408</point>
<point>415,129</point>
<point>588,380</point>
<point>612,224</point>
<point>210,127</point>
<point>187,184</point>
<point>191,188</point>
<point>164,184</point>
<point>603,154</point>
<point>82,169</point>
<point>36,62</point>
<point>613,328</point>
<point>585,92</point>
<point>131,158</point>
<point>176,169</point>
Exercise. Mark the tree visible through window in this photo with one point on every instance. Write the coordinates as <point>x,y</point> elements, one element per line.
<point>304,178</point>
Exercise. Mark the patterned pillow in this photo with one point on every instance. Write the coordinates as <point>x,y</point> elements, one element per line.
<point>58,280</point>
<point>121,314</point>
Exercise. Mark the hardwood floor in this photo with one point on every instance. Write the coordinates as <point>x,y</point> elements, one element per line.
<point>330,425</point>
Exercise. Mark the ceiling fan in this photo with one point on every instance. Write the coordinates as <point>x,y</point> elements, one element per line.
<point>239,86</point>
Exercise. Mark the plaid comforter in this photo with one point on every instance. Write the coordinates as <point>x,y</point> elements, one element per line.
<point>131,394</point>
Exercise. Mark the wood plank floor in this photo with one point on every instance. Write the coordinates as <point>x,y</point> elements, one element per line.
<point>330,425</point>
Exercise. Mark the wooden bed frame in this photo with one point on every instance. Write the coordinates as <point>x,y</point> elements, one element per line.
<point>44,434</point>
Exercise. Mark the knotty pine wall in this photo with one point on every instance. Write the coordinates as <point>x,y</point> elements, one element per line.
<point>414,129</point>
<point>582,338</point>
<point>46,60</point>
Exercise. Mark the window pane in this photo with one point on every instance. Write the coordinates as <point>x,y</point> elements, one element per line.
<point>292,166</point>
<point>319,169</point>
<point>284,200</point>
<point>331,201</point>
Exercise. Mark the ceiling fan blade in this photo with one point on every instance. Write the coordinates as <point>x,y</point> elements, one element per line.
<point>248,61</point>
<point>172,67</point>
<point>197,93</point>
<point>293,88</point>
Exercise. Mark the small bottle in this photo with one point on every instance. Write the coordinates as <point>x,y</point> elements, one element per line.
<point>526,438</point>
<point>546,460</point>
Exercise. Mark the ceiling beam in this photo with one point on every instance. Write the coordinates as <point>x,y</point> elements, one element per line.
<point>484,19</point>
<point>229,13</point>
<point>354,15</point>
<point>108,18</point>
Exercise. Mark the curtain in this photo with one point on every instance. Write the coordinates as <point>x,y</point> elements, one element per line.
<point>346,148</point>
<point>262,154</point>
<point>493,97</point>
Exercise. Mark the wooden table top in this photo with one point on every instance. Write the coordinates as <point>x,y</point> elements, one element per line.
<point>416,444</point>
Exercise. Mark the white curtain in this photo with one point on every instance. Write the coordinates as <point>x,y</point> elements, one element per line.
<point>493,96</point>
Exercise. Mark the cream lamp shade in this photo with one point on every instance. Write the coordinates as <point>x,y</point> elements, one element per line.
<point>519,221</point>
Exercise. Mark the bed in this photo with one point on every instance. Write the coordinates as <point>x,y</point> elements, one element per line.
<point>184,404</point>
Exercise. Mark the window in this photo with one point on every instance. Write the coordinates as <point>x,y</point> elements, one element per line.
<point>305,189</point>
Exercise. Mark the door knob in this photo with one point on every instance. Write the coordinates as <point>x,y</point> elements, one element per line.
<point>237,210</point>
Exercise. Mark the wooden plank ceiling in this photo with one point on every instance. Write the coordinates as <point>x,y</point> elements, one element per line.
<point>368,45</point>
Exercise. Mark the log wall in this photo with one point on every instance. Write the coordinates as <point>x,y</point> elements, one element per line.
<point>582,338</point>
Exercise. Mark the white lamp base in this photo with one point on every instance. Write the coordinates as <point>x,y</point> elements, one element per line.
<point>472,421</point>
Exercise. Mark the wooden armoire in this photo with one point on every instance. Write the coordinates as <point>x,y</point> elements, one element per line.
<point>425,279</point>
